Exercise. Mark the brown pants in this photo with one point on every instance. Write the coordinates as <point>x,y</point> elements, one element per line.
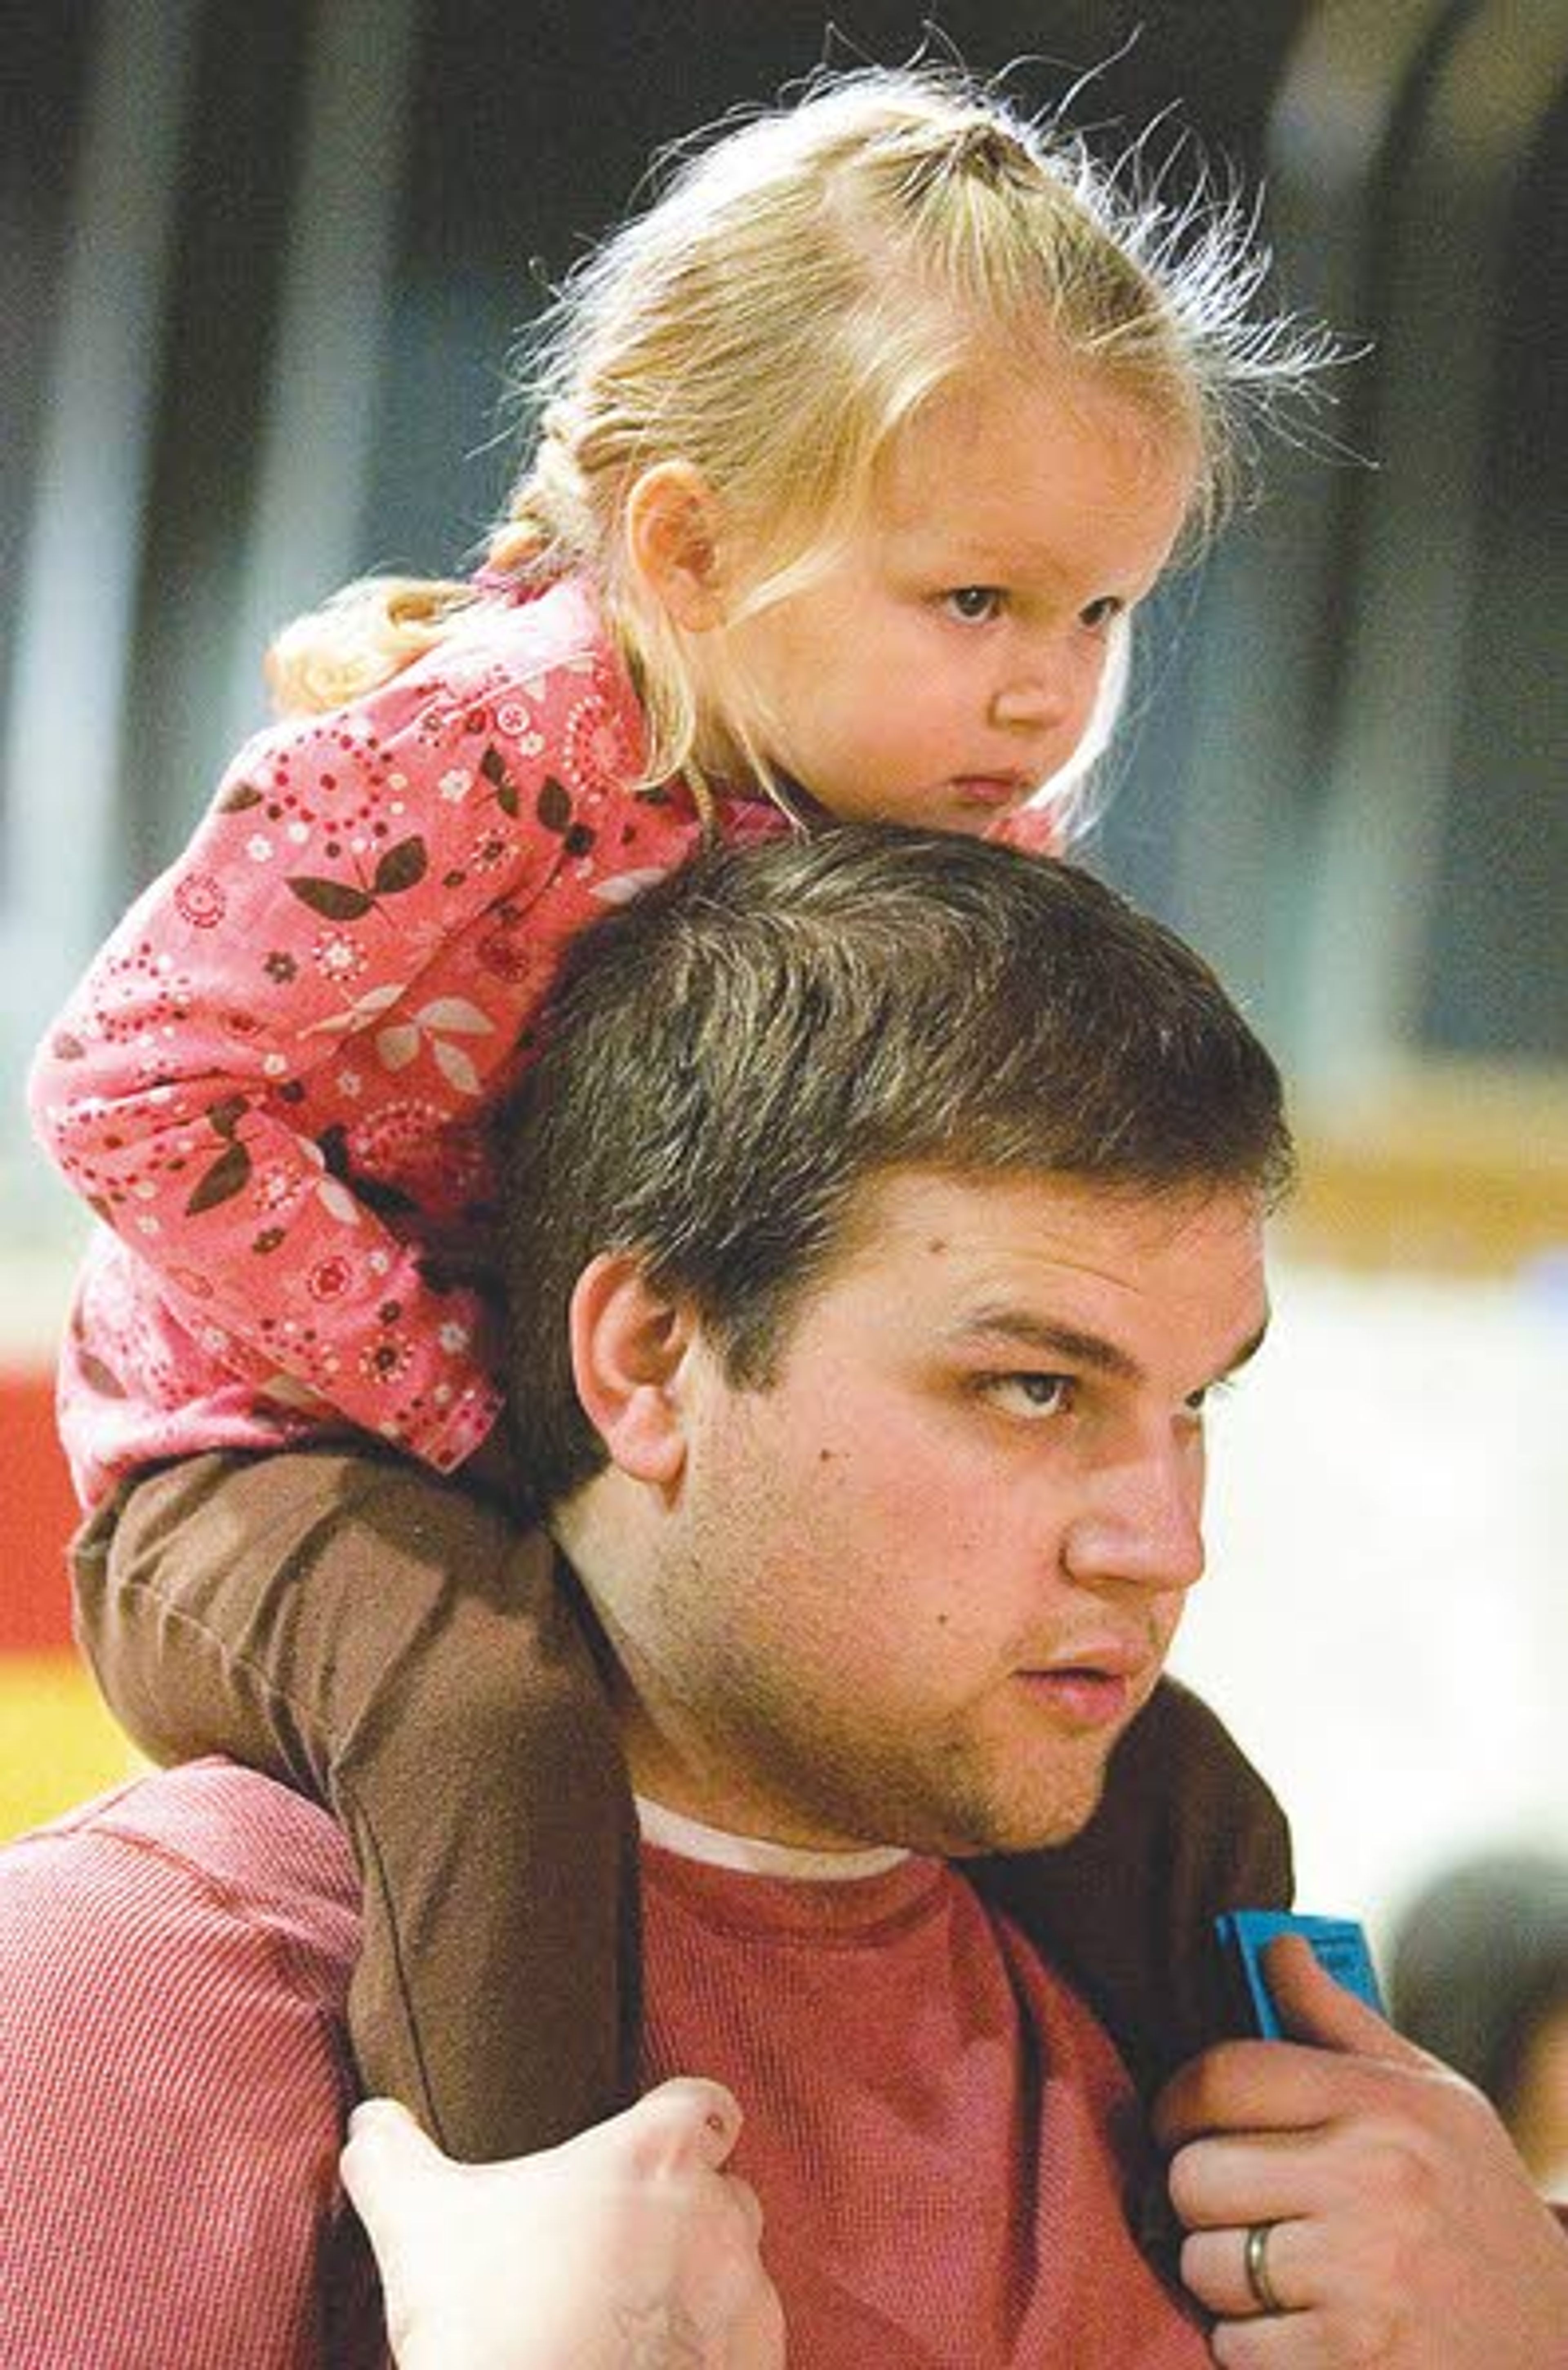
<point>392,1644</point>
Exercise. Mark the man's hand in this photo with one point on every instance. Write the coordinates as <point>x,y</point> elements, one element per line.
<point>1403,2229</point>
<point>629,2248</point>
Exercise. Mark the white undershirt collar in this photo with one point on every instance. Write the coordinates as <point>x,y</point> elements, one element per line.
<point>674,1832</point>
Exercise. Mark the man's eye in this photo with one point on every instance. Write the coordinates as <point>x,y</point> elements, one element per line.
<point>974,603</point>
<point>1030,1396</point>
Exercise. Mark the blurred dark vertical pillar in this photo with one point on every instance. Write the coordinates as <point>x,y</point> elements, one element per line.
<point>1496,983</point>
<point>1391,769</point>
<point>1273,642</point>
<point>310,490</point>
<point>73,584</point>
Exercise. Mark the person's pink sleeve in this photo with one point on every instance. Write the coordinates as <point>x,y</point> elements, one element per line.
<point>332,923</point>
<point>1032,831</point>
<point>173,2088</point>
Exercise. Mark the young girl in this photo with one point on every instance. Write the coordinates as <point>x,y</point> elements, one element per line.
<point>856,454</point>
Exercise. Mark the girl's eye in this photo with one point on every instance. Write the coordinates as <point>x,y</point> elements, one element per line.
<point>1030,1396</point>
<point>974,604</point>
<point>1101,615</point>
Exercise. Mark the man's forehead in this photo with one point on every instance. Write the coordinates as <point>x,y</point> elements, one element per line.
<point>898,1206</point>
<point>1005,1242</point>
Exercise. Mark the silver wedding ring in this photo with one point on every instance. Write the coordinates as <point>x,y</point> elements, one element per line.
<point>1255,2261</point>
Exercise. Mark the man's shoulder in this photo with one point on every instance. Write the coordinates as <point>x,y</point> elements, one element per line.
<point>208,1853</point>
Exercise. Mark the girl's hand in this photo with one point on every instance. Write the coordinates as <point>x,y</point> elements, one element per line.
<point>1403,2228</point>
<point>629,2244</point>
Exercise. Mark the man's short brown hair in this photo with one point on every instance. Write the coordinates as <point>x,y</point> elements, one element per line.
<point>724,1062</point>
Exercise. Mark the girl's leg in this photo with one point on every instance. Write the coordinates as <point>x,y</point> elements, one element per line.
<point>393,1645</point>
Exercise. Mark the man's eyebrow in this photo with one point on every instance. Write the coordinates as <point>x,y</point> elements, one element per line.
<point>999,1322</point>
<point>1078,1348</point>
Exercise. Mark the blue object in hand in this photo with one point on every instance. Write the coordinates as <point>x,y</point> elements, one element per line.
<point>1338,1943</point>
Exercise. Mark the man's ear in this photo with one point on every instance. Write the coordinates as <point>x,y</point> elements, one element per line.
<point>627,1344</point>
<point>673,525</point>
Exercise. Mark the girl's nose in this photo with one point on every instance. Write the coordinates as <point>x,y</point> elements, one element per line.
<point>1038,703</point>
<point>1052,684</point>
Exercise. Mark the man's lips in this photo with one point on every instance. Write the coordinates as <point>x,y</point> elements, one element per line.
<point>1093,1688</point>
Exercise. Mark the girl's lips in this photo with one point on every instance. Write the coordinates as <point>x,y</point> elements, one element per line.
<point>990,790</point>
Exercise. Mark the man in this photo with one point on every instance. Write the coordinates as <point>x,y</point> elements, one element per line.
<point>882,1208</point>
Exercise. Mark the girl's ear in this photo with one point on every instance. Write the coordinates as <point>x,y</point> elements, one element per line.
<point>673,523</point>
<point>629,1342</point>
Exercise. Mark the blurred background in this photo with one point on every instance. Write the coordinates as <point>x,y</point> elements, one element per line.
<point>259,271</point>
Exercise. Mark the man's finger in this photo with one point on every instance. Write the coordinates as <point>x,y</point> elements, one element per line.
<point>1340,2052</point>
<point>1314,2007</point>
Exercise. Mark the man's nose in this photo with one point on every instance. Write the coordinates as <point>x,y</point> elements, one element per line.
<point>1142,1521</point>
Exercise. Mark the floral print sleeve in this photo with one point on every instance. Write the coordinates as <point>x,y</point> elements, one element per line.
<point>276,1081</point>
<point>1034,829</point>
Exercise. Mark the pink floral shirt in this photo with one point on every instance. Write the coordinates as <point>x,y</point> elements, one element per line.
<point>274,1083</point>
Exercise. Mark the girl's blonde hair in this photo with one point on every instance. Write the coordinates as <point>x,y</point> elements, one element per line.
<point>800,287</point>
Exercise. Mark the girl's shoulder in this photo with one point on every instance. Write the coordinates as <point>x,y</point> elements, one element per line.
<point>518,685</point>
<point>549,644</point>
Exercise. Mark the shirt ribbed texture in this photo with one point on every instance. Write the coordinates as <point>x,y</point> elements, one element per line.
<point>945,2144</point>
<point>174,1965</point>
<point>942,2135</point>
